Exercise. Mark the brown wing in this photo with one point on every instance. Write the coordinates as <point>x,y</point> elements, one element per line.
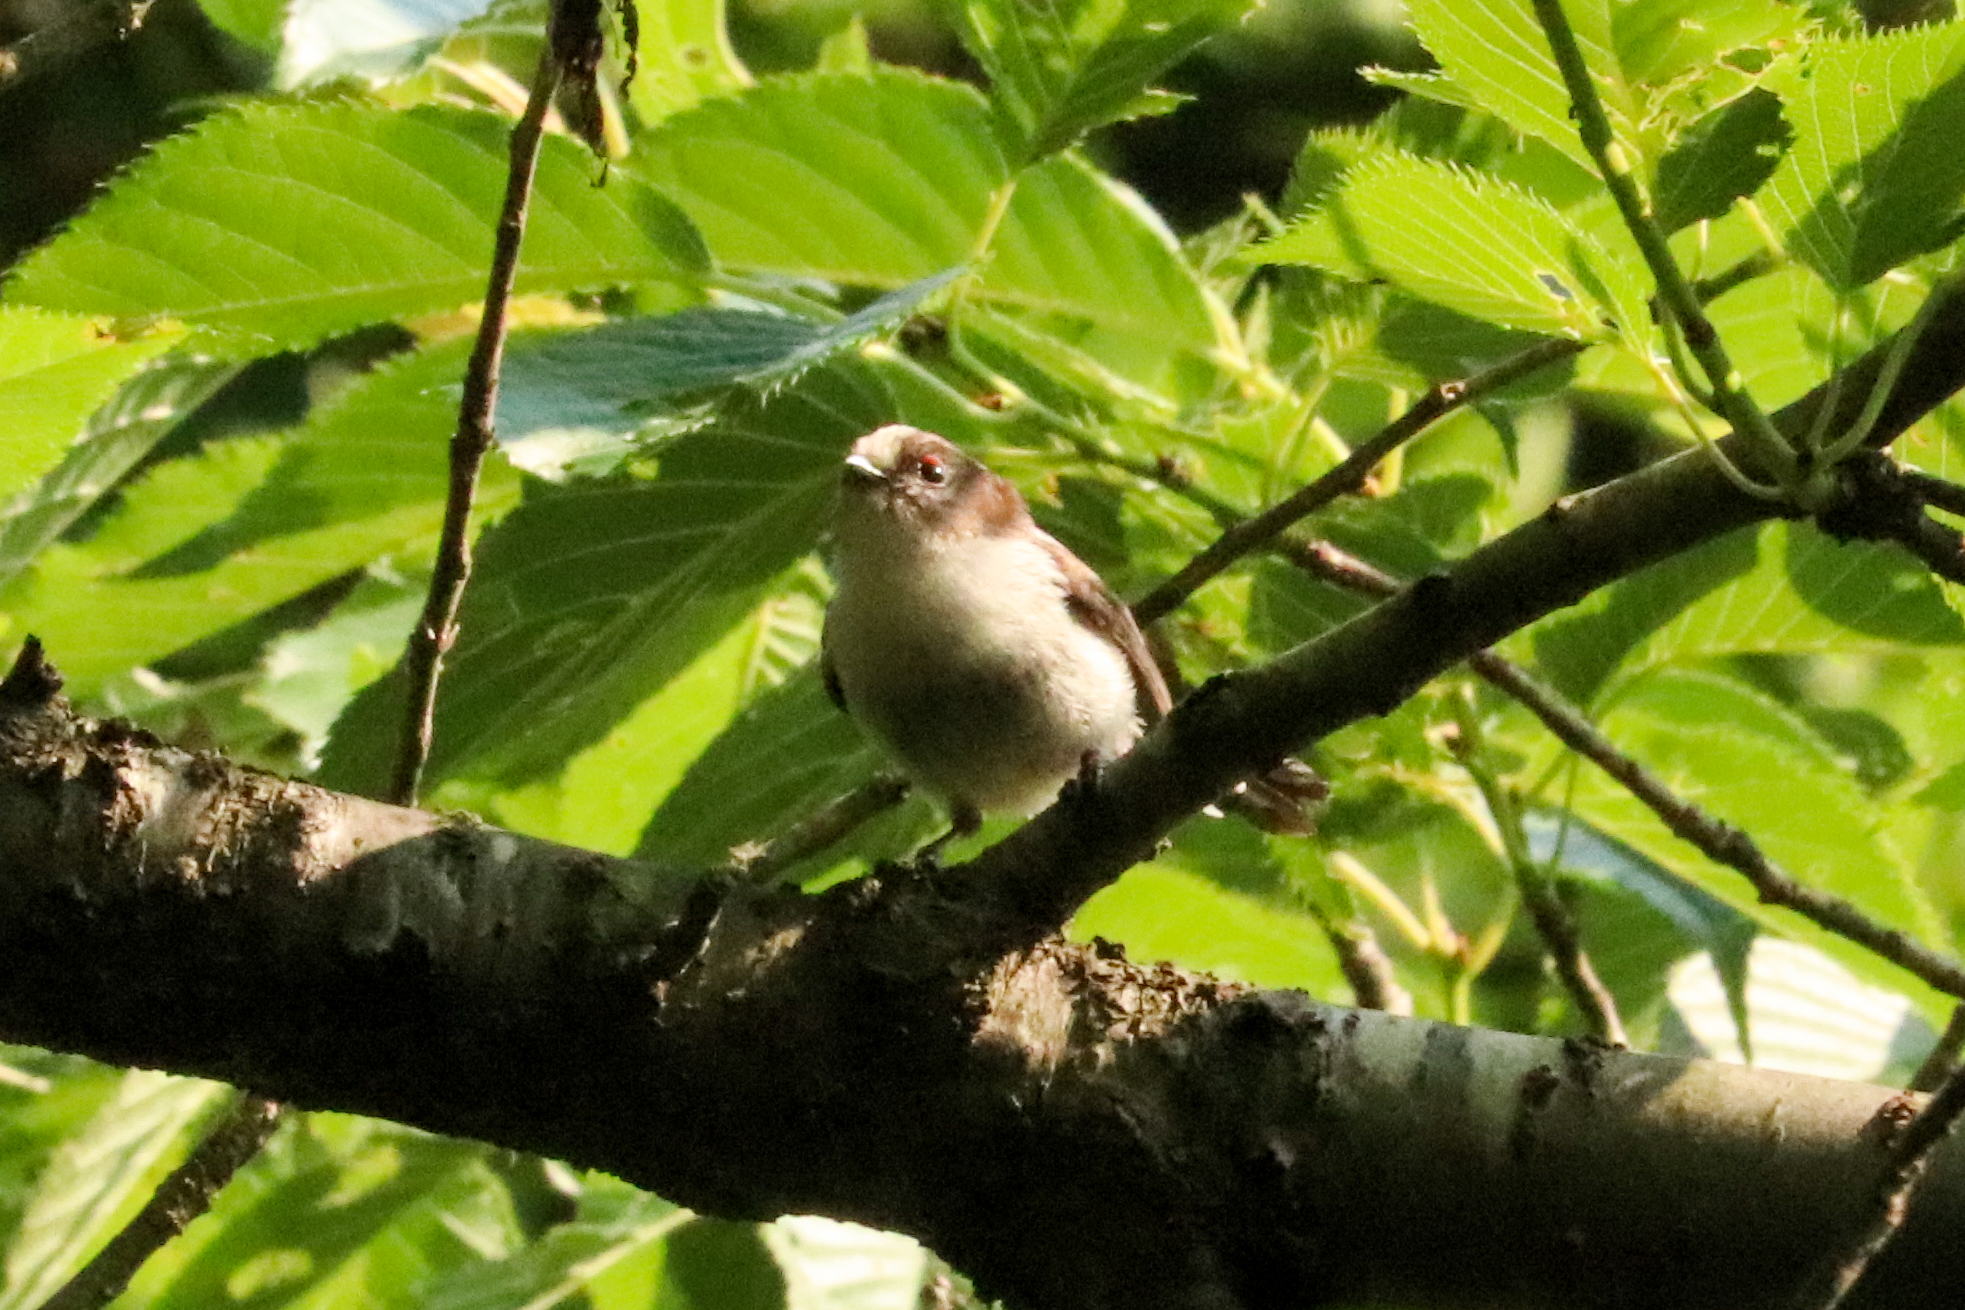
<point>1092,603</point>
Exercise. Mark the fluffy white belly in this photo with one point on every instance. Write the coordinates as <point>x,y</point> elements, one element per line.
<point>988,694</point>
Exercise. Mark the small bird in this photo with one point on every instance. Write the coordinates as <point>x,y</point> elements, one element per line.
<point>989,660</point>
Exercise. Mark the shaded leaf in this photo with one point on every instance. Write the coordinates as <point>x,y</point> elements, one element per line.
<point>583,395</point>
<point>562,1263</point>
<point>1784,589</point>
<point>145,410</point>
<point>1725,156</point>
<point>786,754</point>
<point>590,596</point>
<point>336,1211</point>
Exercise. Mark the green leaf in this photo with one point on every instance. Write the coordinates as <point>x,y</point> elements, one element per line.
<point>684,55</point>
<point>562,1263</point>
<point>1785,589</point>
<point>1875,174</point>
<point>882,180</point>
<point>55,369</point>
<point>145,410</point>
<point>788,753</point>
<point>284,224</point>
<point>1061,68</point>
<point>253,22</point>
<point>1724,156</point>
<point>582,396</point>
<point>1486,249</point>
<point>45,1099</point>
<point>205,542</point>
<point>602,799</point>
<point>1215,901</point>
<point>1665,41</point>
<point>829,1265</point>
<point>590,596</point>
<point>1745,760</point>
<point>1495,53</point>
<point>336,1212</point>
<point>308,677</point>
<point>101,1176</point>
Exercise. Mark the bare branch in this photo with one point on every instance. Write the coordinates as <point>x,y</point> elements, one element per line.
<point>1885,502</point>
<point>436,630</point>
<point>182,1197</point>
<point>828,824</point>
<point>1253,534</point>
<point>1943,1057</point>
<point>1912,1141</point>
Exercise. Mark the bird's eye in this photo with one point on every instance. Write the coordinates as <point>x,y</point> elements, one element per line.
<point>933,471</point>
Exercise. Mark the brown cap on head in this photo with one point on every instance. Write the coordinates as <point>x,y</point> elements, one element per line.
<point>922,476</point>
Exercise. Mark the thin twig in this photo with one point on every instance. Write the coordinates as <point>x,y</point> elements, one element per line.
<point>1546,910</point>
<point>1718,841</point>
<point>830,823</point>
<point>1366,967</point>
<point>1943,1059</point>
<point>1253,534</point>
<point>436,629</point>
<point>185,1195</point>
<point>1910,1149</point>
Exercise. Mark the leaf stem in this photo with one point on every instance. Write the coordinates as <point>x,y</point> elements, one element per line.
<point>1675,293</point>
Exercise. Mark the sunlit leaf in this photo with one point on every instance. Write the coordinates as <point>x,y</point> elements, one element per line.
<point>1486,249</point>
<point>284,223</point>
<point>55,369</point>
<point>1060,68</point>
<point>885,179</point>
<point>1875,176</point>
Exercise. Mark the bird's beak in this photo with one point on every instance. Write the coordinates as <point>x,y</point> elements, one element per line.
<point>861,469</point>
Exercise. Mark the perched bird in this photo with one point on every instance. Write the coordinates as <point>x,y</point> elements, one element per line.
<point>989,660</point>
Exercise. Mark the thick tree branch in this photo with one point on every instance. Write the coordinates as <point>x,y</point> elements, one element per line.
<point>1070,1129</point>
